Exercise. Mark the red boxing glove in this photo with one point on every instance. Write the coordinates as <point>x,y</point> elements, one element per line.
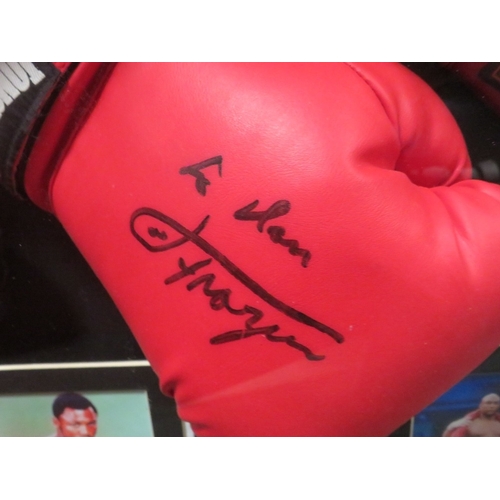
<point>295,246</point>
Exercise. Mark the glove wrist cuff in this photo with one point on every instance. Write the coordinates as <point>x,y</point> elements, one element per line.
<point>68,113</point>
<point>39,124</point>
<point>26,90</point>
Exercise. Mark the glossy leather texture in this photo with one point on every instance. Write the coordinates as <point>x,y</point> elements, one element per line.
<point>295,246</point>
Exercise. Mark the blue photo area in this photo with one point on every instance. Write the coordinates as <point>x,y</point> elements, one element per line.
<point>455,404</point>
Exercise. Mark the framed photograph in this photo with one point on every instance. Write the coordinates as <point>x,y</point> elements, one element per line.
<point>102,399</point>
<point>469,409</point>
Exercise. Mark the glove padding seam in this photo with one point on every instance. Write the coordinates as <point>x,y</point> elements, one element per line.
<point>384,107</point>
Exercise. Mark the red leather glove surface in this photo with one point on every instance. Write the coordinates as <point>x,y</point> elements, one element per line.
<point>295,246</point>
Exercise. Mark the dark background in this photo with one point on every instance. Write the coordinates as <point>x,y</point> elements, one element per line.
<point>479,124</point>
<point>53,308</point>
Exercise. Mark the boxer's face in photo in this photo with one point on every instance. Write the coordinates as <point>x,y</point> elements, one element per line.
<point>76,423</point>
<point>490,404</point>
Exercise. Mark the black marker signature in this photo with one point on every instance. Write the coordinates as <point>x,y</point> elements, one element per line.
<point>277,209</point>
<point>220,299</point>
<point>194,237</point>
<point>195,170</point>
<point>276,233</point>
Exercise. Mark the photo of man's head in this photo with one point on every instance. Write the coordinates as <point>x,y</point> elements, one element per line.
<point>71,413</point>
<point>469,409</point>
<point>74,416</point>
